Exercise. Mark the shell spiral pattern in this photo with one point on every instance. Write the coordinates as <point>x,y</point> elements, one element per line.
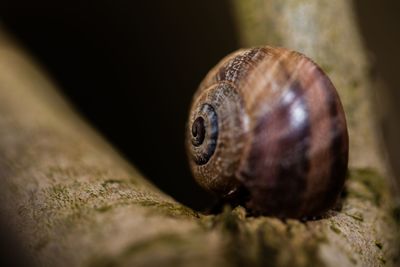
<point>269,122</point>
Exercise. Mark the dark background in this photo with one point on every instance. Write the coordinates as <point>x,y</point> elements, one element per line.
<point>131,67</point>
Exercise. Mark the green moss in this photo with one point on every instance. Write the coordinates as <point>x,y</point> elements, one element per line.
<point>104,208</point>
<point>335,228</point>
<point>60,196</point>
<point>353,260</point>
<point>108,195</point>
<point>356,216</point>
<point>300,245</point>
<point>259,241</point>
<point>228,220</point>
<point>373,182</point>
<point>60,191</point>
<point>267,253</point>
<point>168,208</point>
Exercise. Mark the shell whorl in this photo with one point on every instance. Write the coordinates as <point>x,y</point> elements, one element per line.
<point>279,132</point>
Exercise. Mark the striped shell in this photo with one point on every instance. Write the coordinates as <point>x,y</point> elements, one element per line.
<point>267,129</point>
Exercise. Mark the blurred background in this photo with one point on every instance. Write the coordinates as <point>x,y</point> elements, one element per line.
<point>131,67</point>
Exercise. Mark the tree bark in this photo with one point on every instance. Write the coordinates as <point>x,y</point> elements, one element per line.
<point>69,199</point>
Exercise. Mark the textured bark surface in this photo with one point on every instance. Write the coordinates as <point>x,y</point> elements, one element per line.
<point>71,200</point>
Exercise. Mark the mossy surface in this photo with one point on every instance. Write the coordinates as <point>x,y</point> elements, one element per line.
<point>371,181</point>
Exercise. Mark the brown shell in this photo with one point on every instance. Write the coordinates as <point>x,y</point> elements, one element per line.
<point>271,123</point>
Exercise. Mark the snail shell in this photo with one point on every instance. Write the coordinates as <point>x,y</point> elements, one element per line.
<point>269,122</point>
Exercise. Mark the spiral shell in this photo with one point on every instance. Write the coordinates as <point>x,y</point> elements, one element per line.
<point>269,122</point>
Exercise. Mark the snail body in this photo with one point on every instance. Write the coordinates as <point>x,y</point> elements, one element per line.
<point>269,122</point>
